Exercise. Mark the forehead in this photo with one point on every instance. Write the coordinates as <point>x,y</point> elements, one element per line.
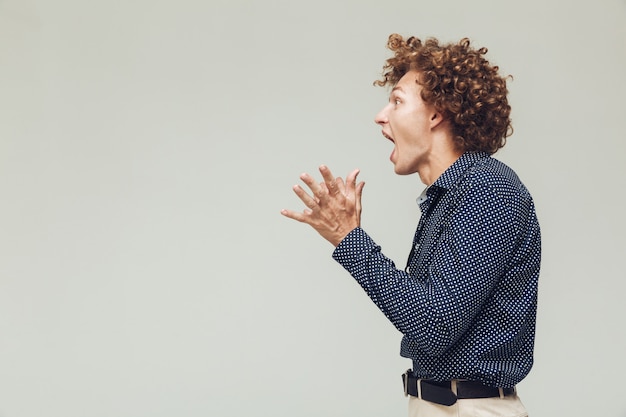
<point>408,83</point>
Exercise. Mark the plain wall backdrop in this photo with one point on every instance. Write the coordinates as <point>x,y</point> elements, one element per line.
<point>147,147</point>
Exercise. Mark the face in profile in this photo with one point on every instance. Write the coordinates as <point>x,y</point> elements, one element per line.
<point>407,122</point>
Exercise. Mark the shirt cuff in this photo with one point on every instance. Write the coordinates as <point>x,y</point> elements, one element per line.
<point>354,248</point>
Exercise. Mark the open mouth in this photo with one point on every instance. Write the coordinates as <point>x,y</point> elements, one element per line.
<point>391,157</point>
<point>388,137</point>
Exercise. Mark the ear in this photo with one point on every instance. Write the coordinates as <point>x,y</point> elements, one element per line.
<point>436,118</point>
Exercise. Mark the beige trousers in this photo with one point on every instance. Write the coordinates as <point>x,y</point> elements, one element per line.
<point>509,406</point>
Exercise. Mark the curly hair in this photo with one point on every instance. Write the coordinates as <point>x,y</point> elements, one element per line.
<point>460,84</point>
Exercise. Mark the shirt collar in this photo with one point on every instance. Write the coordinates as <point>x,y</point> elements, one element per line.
<point>455,171</point>
<point>451,175</point>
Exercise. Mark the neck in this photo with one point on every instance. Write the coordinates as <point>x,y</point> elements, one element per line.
<point>437,164</point>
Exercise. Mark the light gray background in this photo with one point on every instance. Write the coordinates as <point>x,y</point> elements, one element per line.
<point>147,146</point>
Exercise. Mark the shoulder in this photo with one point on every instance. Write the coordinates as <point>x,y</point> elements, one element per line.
<point>491,181</point>
<point>490,174</point>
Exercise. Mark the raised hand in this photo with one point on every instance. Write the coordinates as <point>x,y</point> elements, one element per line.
<point>334,208</point>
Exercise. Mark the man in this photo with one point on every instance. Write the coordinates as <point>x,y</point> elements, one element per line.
<point>466,302</point>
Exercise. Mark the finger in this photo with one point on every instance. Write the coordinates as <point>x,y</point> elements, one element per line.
<point>293,215</point>
<point>341,185</point>
<point>351,182</point>
<point>308,201</point>
<point>329,180</point>
<point>323,190</point>
<point>359,194</point>
<point>315,187</point>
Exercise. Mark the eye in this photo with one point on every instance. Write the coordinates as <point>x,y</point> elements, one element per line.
<point>396,101</point>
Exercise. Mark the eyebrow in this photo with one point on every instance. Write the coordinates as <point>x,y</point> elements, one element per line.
<point>393,90</point>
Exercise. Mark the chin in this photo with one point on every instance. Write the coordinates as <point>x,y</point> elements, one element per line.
<point>401,171</point>
<point>404,170</point>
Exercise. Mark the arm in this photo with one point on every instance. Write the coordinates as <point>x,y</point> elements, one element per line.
<point>468,258</point>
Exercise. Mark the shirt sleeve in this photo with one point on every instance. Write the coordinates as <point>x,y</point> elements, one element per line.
<point>469,257</point>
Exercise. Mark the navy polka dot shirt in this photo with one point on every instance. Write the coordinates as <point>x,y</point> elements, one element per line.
<point>466,303</point>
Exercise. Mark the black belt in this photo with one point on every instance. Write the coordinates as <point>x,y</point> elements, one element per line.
<point>441,392</point>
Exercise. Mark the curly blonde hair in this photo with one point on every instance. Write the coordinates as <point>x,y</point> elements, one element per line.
<point>460,84</point>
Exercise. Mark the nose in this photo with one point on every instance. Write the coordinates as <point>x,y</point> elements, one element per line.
<point>381,117</point>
